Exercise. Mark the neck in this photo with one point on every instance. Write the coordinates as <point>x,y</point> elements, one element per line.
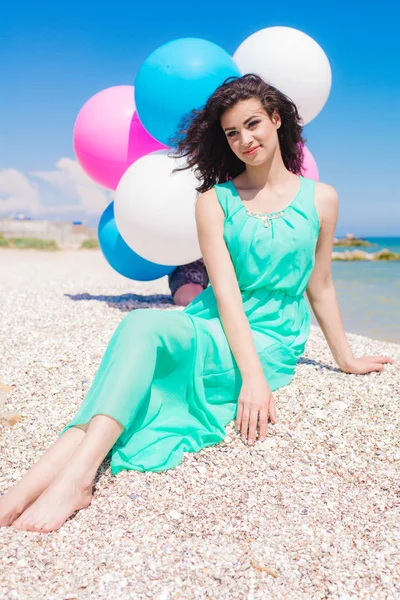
<point>270,174</point>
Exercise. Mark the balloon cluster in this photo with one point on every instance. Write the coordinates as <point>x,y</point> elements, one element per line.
<point>122,136</point>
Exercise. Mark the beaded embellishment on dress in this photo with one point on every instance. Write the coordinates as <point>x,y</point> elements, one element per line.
<point>266,218</point>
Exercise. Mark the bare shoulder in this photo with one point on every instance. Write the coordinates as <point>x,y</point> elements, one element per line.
<point>325,193</point>
<point>207,204</point>
<point>326,201</point>
<point>208,197</point>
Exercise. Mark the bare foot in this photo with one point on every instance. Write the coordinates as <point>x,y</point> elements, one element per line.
<point>23,494</point>
<point>12,505</point>
<point>57,503</point>
<point>39,477</point>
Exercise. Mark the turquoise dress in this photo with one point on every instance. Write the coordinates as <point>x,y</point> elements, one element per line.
<point>170,378</point>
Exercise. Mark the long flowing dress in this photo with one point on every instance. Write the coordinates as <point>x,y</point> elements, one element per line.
<point>170,378</point>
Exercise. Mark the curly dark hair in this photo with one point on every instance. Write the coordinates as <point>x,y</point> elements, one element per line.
<point>202,141</point>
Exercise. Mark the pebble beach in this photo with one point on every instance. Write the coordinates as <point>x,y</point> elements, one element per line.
<point>311,513</point>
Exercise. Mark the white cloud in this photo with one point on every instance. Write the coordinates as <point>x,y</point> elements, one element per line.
<point>17,193</point>
<point>71,179</point>
<point>79,195</point>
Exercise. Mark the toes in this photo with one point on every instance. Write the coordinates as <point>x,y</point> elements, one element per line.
<point>23,524</point>
<point>37,522</point>
<point>16,524</point>
<point>36,525</point>
<point>5,523</point>
<point>26,526</point>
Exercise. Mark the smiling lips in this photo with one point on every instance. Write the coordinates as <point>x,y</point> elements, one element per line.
<point>252,151</point>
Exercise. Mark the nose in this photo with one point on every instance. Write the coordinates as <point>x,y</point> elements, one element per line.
<point>246,139</point>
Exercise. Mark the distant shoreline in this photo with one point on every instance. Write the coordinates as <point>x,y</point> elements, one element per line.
<point>82,241</point>
<point>26,244</point>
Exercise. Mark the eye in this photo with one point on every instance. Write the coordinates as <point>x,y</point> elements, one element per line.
<point>231,133</point>
<point>253,123</point>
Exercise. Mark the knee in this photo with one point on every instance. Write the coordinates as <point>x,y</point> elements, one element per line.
<point>136,315</point>
<point>186,293</point>
<point>142,321</point>
<point>156,323</point>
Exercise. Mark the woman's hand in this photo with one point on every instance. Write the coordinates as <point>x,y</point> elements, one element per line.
<point>366,364</point>
<point>255,403</point>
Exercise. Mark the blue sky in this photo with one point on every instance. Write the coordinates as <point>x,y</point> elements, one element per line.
<point>56,56</point>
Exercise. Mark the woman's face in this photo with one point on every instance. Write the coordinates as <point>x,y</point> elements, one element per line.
<point>251,133</point>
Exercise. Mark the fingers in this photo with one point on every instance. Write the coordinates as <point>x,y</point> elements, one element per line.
<point>245,422</point>
<point>253,425</point>
<point>379,359</point>
<point>378,362</point>
<point>370,368</point>
<point>239,415</point>
<point>272,410</point>
<point>383,359</point>
<point>263,425</point>
<point>368,364</point>
<point>248,417</point>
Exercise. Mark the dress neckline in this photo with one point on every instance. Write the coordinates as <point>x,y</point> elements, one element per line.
<point>268,213</point>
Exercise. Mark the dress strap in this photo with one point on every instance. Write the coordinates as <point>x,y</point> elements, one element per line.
<point>229,201</point>
<point>308,187</point>
<point>308,200</point>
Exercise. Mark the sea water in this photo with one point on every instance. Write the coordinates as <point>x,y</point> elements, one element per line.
<point>369,293</point>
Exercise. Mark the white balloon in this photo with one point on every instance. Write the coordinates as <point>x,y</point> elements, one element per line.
<point>154,210</point>
<point>291,61</point>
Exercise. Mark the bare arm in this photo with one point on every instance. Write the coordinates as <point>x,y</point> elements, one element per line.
<point>210,228</point>
<point>322,294</point>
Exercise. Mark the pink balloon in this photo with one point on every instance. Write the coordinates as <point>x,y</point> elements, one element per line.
<point>309,167</point>
<point>108,136</point>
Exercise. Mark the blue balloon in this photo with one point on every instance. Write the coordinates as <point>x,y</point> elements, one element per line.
<point>177,78</point>
<point>121,257</point>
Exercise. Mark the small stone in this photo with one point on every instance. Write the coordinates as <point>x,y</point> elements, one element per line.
<point>268,443</point>
<point>10,417</point>
<point>338,405</point>
<point>238,524</point>
<point>176,515</point>
<point>320,414</point>
<point>4,389</point>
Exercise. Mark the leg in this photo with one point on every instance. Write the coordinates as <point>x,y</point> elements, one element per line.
<point>39,477</point>
<point>121,388</point>
<point>71,490</point>
<point>186,293</point>
<point>188,281</point>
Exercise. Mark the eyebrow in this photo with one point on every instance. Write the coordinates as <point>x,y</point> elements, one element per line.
<point>244,123</point>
